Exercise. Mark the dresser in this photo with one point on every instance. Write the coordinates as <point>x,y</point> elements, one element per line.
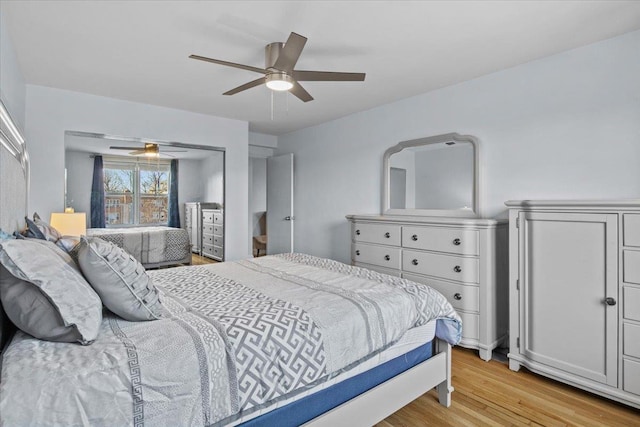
<point>464,259</point>
<point>213,233</point>
<point>574,280</point>
<point>204,223</point>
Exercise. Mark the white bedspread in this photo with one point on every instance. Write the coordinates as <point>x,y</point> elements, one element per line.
<point>242,335</point>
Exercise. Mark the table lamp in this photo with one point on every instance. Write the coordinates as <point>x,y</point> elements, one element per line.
<point>69,224</point>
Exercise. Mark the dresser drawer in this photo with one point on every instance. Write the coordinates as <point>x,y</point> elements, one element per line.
<point>207,250</point>
<point>631,224</point>
<point>385,234</point>
<point>631,339</point>
<point>631,267</point>
<point>207,228</point>
<point>470,326</point>
<point>217,218</point>
<point>218,229</point>
<point>383,270</point>
<point>207,216</point>
<point>218,240</point>
<point>455,241</point>
<point>631,376</point>
<point>207,239</point>
<point>384,256</point>
<point>461,297</point>
<point>445,266</point>
<point>631,303</point>
<point>218,252</point>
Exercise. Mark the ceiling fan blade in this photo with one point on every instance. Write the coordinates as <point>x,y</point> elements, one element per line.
<point>125,148</point>
<point>229,64</point>
<point>290,53</point>
<point>172,151</point>
<point>327,76</point>
<point>137,152</point>
<point>300,92</point>
<point>246,86</point>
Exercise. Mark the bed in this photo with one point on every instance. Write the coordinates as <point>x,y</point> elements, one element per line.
<point>153,246</point>
<point>279,340</point>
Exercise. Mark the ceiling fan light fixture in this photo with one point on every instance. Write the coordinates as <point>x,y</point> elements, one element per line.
<point>279,81</point>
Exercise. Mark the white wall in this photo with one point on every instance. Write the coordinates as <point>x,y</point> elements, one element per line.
<point>190,185</point>
<point>444,177</point>
<point>566,126</point>
<point>51,112</point>
<point>79,181</point>
<point>12,86</point>
<point>212,176</point>
<point>258,193</point>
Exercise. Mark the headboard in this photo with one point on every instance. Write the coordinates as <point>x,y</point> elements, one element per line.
<point>14,189</point>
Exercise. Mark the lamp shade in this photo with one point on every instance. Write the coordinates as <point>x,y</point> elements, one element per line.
<point>69,224</point>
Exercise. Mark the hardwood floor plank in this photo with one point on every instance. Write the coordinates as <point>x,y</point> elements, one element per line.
<point>490,394</point>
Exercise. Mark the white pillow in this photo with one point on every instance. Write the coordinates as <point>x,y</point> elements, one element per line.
<point>44,295</point>
<point>120,280</point>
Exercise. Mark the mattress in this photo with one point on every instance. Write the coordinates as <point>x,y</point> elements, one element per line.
<point>151,246</point>
<point>243,338</point>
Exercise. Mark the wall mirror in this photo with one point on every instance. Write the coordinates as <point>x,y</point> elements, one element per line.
<point>200,176</point>
<point>434,176</point>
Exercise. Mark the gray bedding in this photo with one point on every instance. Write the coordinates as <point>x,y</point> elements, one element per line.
<point>242,334</point>
<point>151,246</point>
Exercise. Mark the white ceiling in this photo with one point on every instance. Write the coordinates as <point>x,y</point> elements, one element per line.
<point>101,144</point>
<point>137,50</point>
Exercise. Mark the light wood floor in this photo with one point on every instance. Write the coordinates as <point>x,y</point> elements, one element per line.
<point>201,260</point>
<point>489,394</point>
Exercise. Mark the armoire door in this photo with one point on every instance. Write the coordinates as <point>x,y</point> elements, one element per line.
<point>568,291</point>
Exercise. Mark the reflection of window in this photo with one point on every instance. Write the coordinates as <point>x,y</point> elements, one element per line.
<point>136,193</point>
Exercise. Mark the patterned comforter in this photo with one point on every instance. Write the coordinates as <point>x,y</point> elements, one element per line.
<point>243,335</point>
<point>151,246</point>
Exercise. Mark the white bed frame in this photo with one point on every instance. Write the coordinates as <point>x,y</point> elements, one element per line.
<point>366,409</point>
<point>383,400</point>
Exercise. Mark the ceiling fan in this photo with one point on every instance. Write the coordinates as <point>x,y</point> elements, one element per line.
<point>149,150</point>
<point>279,73</point>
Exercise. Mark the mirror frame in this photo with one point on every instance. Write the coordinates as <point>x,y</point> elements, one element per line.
<point>474,212</point>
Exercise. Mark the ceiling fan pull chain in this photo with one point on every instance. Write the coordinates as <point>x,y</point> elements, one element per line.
<point>271,105</point>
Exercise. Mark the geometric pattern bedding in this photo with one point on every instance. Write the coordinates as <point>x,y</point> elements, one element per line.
<point>242,335</point>
<point>149,245</point>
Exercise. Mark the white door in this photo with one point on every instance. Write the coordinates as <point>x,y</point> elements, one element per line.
<point>568,282</point>
<point>280,204</point>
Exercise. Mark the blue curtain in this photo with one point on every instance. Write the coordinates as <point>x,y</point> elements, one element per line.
<point>97,195</point>
<point>174,214</point>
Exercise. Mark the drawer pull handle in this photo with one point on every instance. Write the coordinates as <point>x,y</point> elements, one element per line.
<point>457,242</point>
<point>358,252</point>
<point>387,257</point>
<point>414,262</point>
<point>357,232</point>
<point>387,234</point>
<point>457,269</point>
<point>414,237</point>
<point>457,297</point>
<point>610,301</point>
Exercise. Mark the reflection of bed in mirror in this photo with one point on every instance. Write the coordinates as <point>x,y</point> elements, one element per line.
<point>137,193</point>
<point>153,247</point>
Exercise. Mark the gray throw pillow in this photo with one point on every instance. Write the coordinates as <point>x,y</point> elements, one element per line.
<point>45,296</point>
<point>120,280</point>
